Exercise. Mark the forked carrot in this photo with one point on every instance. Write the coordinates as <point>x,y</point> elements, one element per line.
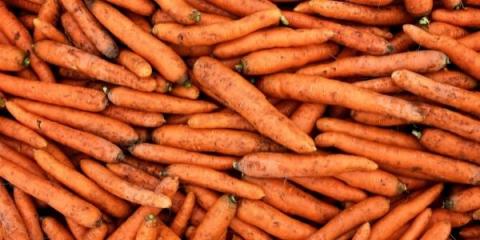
<point>456,219</point>
<point>378,181</point>
<point>179,223</point>
<point>54,230</point>
<point>134,175</point>
<point>12,58</point>
<point>134,63</point>
<point>27,209</point>
<point>418,226</point>
<point>464,201</point>
<point>11,220</point>
<point>332,188</point>
<point>134,117</point>
<point>217,219</point>
<point>439,231</point>
<point>75,34</point>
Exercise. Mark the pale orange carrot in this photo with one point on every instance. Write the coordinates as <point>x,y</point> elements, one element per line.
<point>439,231</point>
<point>332,188</point>
<point>11,220</point>
<point>26,208</point>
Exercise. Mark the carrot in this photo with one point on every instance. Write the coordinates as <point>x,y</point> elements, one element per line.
<point>3,39</point>
<point>376,66</point>
<point>148,229</point>
<point>216,33</point>
<point>353,216</point>
<point>378,181</point>
<point>27,21</point>
<point>445,29</point>
<point>25,5</point>
<point>454,218</point>
<point>412,183</point>
<point>322,90</point>
<point>464,201</point>
<point>169,64</point>
<point>332,188</point>
<point>171,155</point>
<point>121,188</point>
<point>190,92</point>
<point>49,13</point>
<point>279,59</point>
<point>471,41</point>
<point>155,102</point>
<point>81,185</point>
<point>217,219</point>
<point>12,58</point>
<point>279,165</point>
<point>26,208</point>
<point>375,3</point>
<point>306,115</point>
<point>11,220</point>
<point>404,212</point>
<point>243,7</point>
<point>465,17</point>
<point>363,232</point>
<point>419,8</point>
<point>134,63</point>
<point>92,29</point>
<point>344,35</point>
<point>20,160</point>
<point>55,230</point>
<point>272,38</point>
<point>401,42</point>
<point>77,230</point>
<point>230,142</point>
<point>49,31</point>
<point>73,74</point>
<point>26,73</point>
<point>163,86</point>
<point>75,34</point>
<point>96,233</point>
<point>291,200</point>
<point>439,231</point>
<point>134,117</point>
<point>452,4</point>
<point>58,154</point>
<point>380,85</point>
<point>375,134</point>
<point>207,7</point>
<point>181,11</point>
<point>470,232</point>
<point>376,16</point>
<point>161,16</point>
<point>148,167</point>
<point>140,21</point>
<point>418,226</point>
<point>134,175</point>
<point>19,132</point>
<point>193,51</point>
<point>142,7</point>
<point>179,223</point>
<point>472,2</point>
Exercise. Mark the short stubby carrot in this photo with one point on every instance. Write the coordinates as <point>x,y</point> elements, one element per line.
<point>456,219</point>
<point>371,133</point>
<point>75,34</point>
<point>58,198</point>
<point>378,66</point>
<point>292,200</point>
<point>134,117</point>
<point>15,130</point>
<point>404,212</point>
<point>111,129</point>
<point>55,230</point>
<point>243,7</point>
<point>441,28</point>
<point>82,185</point>
<point>181,11</point>
<point>216,33</point>
<point>418,226</point>
<point>134,63</point>
<point>466,17</point>
<point>332,188</point>
<point>172,155</point>
<point>216,180</point>
<point>49,31</point>
<point>322,90</point>
<point>378,181</point>
<point>169,64</point>
<point>367,210</point>
<point>121,188</point>
<point>87,143</point>
<point>250,103</point>
<point>272,38</point>
<point>156,102</point>
<point>279,165</point>
<point>217,219</point>
<point>91,65</point>
<point>141,7</point>
<point>375,119</point>
<point>27,209</point>
<point>11,220</point>
<point>438,231</point>
<point>227,120</point>
<point>464,201</point>
<point>418,8</point>
<point>379,16</point>
<point>134,175</point>
<point>92,29</point>
<point>12,58</point>
<point>403,158</point>
<point>230,142</point>
<point>261,214</point>
<point>279,59</point>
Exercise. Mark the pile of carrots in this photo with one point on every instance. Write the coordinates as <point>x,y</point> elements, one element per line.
<point>239,119</point>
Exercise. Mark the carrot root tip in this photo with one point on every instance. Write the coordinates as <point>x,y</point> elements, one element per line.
<point>196,16</point>
<point>448,204</point>
<point>284,20</point>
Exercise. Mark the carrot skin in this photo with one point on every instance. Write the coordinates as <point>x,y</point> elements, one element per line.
<point>12,222</point>
<point>55,230</point>
<point>418,226</point>
<point>26,208</point>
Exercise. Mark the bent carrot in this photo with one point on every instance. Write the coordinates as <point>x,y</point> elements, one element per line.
<point>364,211</point>
<point>49,31</point>
<point>377,181</point>
<point>19,132</point>
<point>12,58</point>
<point>181,11</point>
<point>55,230</point>
<point>120,188</point>
<point>11,220</point>
<point>464,201</point>
<point>441,28</point>
<point>134,175</point>
<point>465,17</point>
<point>217,219</point>
<point>134,63</point>
<point>332,188</point>
<point>279,165</point>
<point>142,7</point>
<point>148,229</point>
<point>216,33</point>
<point>81,185</point>
<point>291,200</point>
<point>454,218</point>
<point>219,181</point>
<point>87,143</point>
<point>418,226</point>
<point>96,233</point>
<point>179,223</point>
<point>250,103</point>
<point>134,117</point>
<point>75,34</point>
<point>439,231</point>
<point>375,66</point>
<point>418,8</point>
<point>169,64</point>
<point>363,232</point>
<point>26,208</point>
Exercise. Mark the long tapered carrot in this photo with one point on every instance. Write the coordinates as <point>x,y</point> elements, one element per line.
<point>217,219</point>
<point>278,59</point>
<point>134,63</point>
<point>376,134</point>
<point>92,29</point>
<point>456,219</point>
<point>11,220</point>
<point>26,208</point>
<point>322,90</point>
<point>464,201</point>
<point>464,17</point>
<point>332,188</point>
<point>215,180</point>
<point>142,7</point>
<point>418,61</point>
<point>121,188</point>
<point>75,34</point>
<point>363,232</point>
<point>156,102</point>
<point>148,229</point>
<point>279,165</point>
<point>272,38</point>
<point>230,142</point>
<point>169,64</point>
<point>12,58</point>
<point>19,132</point>
<point>378,181</point>
<point>404,212</point>
<point>438,231</point>
<point>81,185</point>
<point>181,11</point>
<point>134,175</point>
<point>54,230</point>
<point>441,28</point>
<point>470,231</point>
<point>49,31</point>
<point>179,223</point>
<point>211,74</point>
<point>364,211</point>
<point>216,33</point>
<point>134,117</point>
<point>382,16</point>
<point>291,200</point>
<point>418,226</point>
<point>85,142</point>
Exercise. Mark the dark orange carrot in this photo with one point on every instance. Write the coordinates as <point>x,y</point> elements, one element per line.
<point>142,7</point>
<point>418,226</point>
<point>134,63</point>
<point>378,181</point>
<point>332,188</point>
<point>134,117</point>
<point>464,201</point>
<point>445,29</point>
<point>179,223</point>
<point>49,13</point>
<point>169,64</point>
<point>134,175</point>
<point>149,228</point>
<point>49,31</point>
<point>244,7</point>
<point>11,220</point>
<point>26,208</point>
<point>454,218</point>
<point>193,51</point>
<point>466,17</point>
<point>19,132</point>
<point>217,219</point>
<point>27,21</point>
<point>438,231</point>
<point>418,8</point>
<point>75,34</point>
<point>55,230</point>
<point>12,58</point>
<point>380,85</point>
<point>207,7</point>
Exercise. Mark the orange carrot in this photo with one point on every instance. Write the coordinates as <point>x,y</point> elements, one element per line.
<point>148,229</point>
<point>363,232</point>
<point>353,216</point>
<point>207,7</point>
<point>471,41</point>
<point>464,201</point>
<point>401,42</point>
<point>470,232</point>
<point>49,31</point>
<point>26,208</point>
<point>374,66</point>
<point>27,74</point>
<point>161,16</point>
<point>291,200</point>
<point>412,183</point>
<point>179,223</point>
<point>12,58</point>
<point>134,175</point>
<point>19,132</point>
<point>11,220</point>
<point>142,7</point>
<point>380,85</point>
<point>25,5</point>
<point>439,231</point>
<point>148,167</point>
<point>134,117</point>
<point>243,7</point>
<point>306,115</point>
<point>222,119</point>
<point>163,86</point>
<point>134,63</point>
<point>454,218</point>
<point>55,230</point>
<point>404,212</point>
<point>332,188</point>
<point>217,219</point>
<point>216,33</point>
<point>418,8</point>
<point>230,142</point>
<point>92,29</point>
<point>452,4</point>
<point>75,34</point>
<point>372,2</point>
<point>465,17</point>
<point>445,29</point>
<point>140,21</point>
<point>169,64</point>
<point>180,11</point>
<point>418,226</point>
<point>77,230</point>
<point>4,39</point>
<point>96,233</point>
<point>49,13</point>
<point>20,160</point>
<point>378,181</point>
<point>190,92</point>
<point>121,188</point>
<point>193,51</point>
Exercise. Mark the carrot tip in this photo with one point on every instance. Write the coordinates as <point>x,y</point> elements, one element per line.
<point>196,16</point>
<point>448,204</point>
<point>284,20</point>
